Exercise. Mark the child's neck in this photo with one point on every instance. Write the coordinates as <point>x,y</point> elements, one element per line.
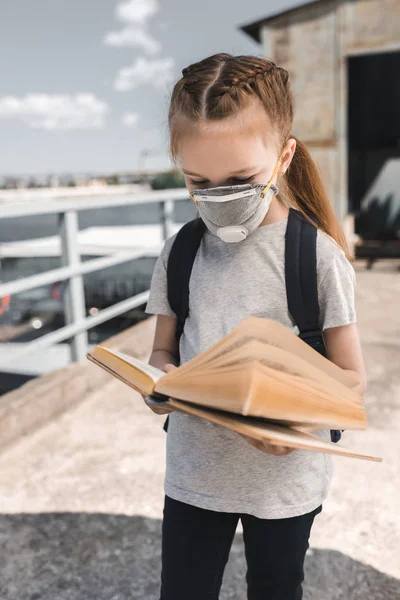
<point>277,212</point>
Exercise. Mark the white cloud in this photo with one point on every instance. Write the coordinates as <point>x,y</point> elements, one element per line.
<point>55,112</point>
<point>133,36</point>
<point>136,11</point>
<point>136,14</point>
<point>157,73</point>
<point>130,119</point>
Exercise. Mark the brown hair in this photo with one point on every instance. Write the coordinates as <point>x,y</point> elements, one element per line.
<point>220,86</point>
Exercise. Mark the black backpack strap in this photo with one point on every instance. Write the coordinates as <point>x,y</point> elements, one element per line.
<point>179,269</point>
<point>302,284</point>
<point>301,279</point>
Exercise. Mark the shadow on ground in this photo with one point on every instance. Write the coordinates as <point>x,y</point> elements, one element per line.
<point>81,556</point>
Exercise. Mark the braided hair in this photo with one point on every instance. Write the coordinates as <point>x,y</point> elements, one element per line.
<point>222,86</point>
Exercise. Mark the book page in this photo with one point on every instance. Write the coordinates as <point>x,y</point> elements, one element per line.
<point>136,373</point>
<point>274,434</point>
<point>282,361</point>
<point>151,371</point>
<point>254,389</point>
<point>273,334</point>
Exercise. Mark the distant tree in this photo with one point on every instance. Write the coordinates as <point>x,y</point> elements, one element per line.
<point>168,180</point>
<point>113,179</point>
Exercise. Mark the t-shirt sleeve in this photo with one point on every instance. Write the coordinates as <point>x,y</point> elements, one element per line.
<point>158,300</point>
<point>336,284</point>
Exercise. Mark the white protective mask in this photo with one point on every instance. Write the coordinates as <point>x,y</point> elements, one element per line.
<point>233,212</point>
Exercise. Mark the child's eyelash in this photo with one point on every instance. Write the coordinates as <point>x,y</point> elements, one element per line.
<point>237,179</point>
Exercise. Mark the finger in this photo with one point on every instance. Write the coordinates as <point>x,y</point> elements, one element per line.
<point>161,411</point>
<point>247,438</point>
<point>169,367</point>
<point>262,445</point>
<point>277,450</point>
<point>283,450</point>
<point>267,447</point>
<point>271,447</point>
<point>253,442</point>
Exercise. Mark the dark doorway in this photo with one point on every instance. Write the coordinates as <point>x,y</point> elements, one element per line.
<point>374,144</point>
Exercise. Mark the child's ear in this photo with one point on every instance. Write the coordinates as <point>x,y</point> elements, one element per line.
<point>287,157</point>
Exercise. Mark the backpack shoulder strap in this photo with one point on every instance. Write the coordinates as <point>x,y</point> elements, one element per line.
<point>179,269</point>
<point>302,284</point>
<point>301,279</point>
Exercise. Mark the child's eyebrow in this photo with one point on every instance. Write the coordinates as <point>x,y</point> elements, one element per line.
<point>238,172</point>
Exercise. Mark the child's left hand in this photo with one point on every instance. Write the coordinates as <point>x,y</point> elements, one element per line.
<point>266,447</point>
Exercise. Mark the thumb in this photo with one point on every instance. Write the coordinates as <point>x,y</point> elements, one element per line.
<point>169,367</point>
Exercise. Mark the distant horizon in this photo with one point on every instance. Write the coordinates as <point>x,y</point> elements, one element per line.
<point>82,173</point>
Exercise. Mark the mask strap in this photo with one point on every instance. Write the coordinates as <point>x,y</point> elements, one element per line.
<point>265,190</point>
<point>277,167</point>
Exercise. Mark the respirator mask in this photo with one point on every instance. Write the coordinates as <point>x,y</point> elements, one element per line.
<point>233,212</point>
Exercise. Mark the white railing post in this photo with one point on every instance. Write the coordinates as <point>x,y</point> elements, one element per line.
<point>167,217</point>
<point>72,269</point>
<point>74,296</point>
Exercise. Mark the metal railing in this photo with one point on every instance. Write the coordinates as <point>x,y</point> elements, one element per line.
<point>72,269</point>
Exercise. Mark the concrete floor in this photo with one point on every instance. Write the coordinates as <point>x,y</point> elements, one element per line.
<point>81,499</point>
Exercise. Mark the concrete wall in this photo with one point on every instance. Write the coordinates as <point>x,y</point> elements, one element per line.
<point>37,402</point>
<point>313,43</point>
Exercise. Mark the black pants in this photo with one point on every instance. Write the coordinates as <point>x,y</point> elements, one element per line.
<point>196,544</point>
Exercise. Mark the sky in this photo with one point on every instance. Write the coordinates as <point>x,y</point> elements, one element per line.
<point>85,84</point>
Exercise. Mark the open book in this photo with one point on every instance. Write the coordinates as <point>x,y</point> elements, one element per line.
<point>260,380</point>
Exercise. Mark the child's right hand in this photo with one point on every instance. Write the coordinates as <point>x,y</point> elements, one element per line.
<point>266,447</point>
<point>161,410</point>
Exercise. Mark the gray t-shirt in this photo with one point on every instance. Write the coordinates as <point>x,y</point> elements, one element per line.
<point>207,465</point>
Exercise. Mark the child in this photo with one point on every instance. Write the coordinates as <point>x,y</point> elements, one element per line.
<point>230,123</point>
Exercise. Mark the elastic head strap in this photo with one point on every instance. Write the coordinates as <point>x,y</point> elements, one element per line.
<point>265,190</point>
<point>277,167</point>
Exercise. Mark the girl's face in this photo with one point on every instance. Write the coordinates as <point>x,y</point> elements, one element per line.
<point>232,152</point>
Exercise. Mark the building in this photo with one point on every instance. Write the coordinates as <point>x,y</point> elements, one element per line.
<point>343,57</point>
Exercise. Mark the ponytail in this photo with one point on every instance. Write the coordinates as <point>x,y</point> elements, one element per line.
<point>220,87</point>
<point>307,193</point>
